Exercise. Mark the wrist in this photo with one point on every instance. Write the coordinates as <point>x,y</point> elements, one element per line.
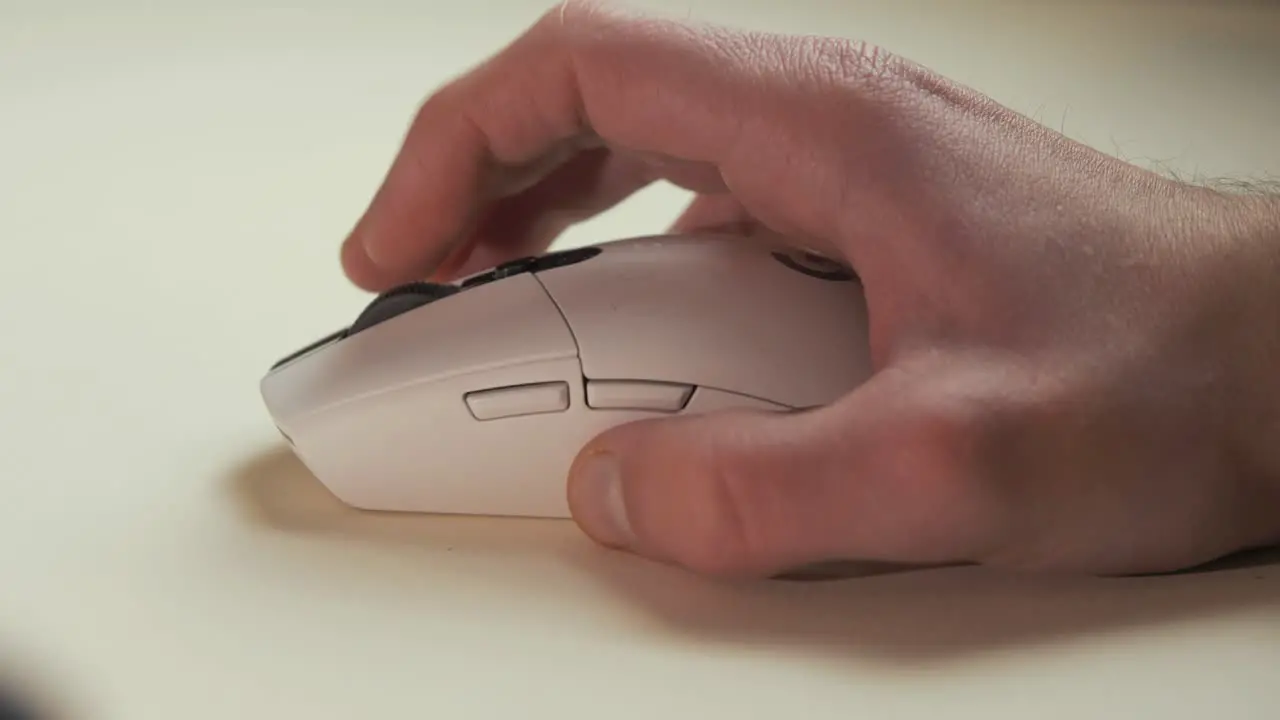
<point>1253,222</point>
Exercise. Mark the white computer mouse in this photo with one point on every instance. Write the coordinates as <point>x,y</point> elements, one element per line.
<point>475,397</point>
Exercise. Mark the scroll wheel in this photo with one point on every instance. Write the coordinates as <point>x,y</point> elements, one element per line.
<point>398,301</point>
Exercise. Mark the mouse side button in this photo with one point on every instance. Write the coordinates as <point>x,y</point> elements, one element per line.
<point>514,401</point>
<point>647,395</point>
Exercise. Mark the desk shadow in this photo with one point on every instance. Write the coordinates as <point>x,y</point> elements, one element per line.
<point>939,614</point>
<point>859,612</point>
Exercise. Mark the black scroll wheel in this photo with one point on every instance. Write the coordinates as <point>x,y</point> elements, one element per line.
<point>400,300</point>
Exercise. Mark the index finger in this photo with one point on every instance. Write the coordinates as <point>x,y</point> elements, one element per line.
<point>744,104</point>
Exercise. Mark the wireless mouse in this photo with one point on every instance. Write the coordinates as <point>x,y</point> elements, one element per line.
<point>474,397</point>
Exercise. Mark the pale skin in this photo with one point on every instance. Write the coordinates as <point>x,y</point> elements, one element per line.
<point>1075,357</point>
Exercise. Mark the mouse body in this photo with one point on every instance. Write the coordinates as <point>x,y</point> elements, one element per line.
<point>474,397</point>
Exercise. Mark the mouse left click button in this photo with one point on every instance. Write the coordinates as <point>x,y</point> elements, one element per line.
<point>517,400</point>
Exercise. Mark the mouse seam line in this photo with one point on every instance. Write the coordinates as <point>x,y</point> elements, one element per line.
<point>577,347</point>
<point>582,371</point>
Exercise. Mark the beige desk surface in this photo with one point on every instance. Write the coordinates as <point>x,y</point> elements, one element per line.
<point>173,186</point>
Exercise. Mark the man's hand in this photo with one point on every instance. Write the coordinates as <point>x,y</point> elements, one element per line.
<point>1075,357</point>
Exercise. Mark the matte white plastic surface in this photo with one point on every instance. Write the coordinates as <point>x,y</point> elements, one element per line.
<point>478,402</point>
<point>721,313</point>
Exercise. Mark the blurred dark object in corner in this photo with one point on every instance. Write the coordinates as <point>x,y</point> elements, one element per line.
<point>12,707</point>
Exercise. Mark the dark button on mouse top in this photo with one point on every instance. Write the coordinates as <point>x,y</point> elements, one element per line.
<point>400,300</point>
<point>533,264</point>
<point>565,257</point>
<point>816,266</point>
<point>514,267</point>
<point>505,270</point>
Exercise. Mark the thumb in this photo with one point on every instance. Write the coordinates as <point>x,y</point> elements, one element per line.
<point>730,493</point>
<point>876,476</point>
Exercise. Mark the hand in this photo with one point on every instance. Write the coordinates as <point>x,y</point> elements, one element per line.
<point>1075,357</point>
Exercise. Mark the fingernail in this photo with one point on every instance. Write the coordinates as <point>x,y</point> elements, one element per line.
<point>603,509</point>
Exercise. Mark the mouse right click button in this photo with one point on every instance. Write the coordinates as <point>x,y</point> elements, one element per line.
<point>647,395</point>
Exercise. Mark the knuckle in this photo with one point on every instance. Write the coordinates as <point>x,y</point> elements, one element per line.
<point>566,12</point>
<point>569,17</point>
<point>964,454</point>
<point>448,112</point>
<point>839,60</point>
